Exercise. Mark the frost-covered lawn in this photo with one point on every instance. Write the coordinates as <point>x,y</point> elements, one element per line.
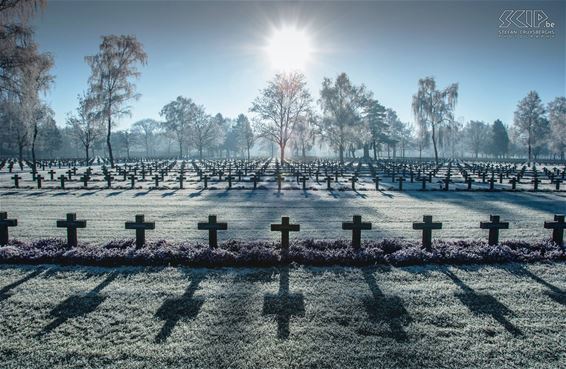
<point>493,316</point>
<point>249,213</point>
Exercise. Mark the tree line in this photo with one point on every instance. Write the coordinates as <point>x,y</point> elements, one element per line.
<point>346,119</point>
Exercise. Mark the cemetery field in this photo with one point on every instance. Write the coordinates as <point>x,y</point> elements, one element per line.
<point>503,315</point>
<point>249,213</point>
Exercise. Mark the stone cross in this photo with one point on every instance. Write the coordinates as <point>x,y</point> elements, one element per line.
<point>328,180</point>
<point>401,180</point>
<point>181,178</point>
<point>62,178</point>
<point>304,180</point>
<point>285,227</point>
<point>156,179</point>
<point>557,227</point>
<point>85,179</point>
<point>513,182</point>
<point>140,226</point>
<point>354,179</point>
<point>39,179</point>
<point>230,178</point>
<point>469,181</point>
<point>212,227</point>
<point>132,179</point>
<point>356,226</point>
<point>71,223</point>
<point>16,179</point>
<point>376,179</point>
<point>427,226</point>
<point>51,173</point>
<point>494,226</point>
<point>535,183</point>
<point>280,179</point>
<point>424,180</point>
<point>4,224</point>
<point>108,177</point>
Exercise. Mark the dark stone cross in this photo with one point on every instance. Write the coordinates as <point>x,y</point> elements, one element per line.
<point>62,179</point>
<point>156,179</point>
<point>424,180</point>
<point>469,181</point>
<point>140,226</point>
<point>212,227</point>
<point>401,180</point>
<point>39,179</point>
<point>557,227</point>
<point>70,174</point>
<point>181,178</point>
<point>304,180</point>
<point>285,228</point>
<point>16,179</point>
<point>108,177</point>
<point>557,182</point>
<point>283,304</point>
<point>446,182</point>
<point>71,223</point>
<point>328,180</point>
<point>535,183</point>
<point>494,226</point>
<point>427,226</point>
<point>51,174</point>
<point>354,179</point>
<point>253,178</point>
<point>491,183</point>
<point>4,224</point>
<point>376,179</point>
<point>513,182</point>
<point>132,178</point>
<point>356,226</point>
<point>85,178</point>
<point>230,178</point>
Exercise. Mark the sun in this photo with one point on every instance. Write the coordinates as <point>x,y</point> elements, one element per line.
<point>289,49</point>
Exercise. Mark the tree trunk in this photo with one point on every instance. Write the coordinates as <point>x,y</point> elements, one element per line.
<point>108,140</point>
<point>180,148</point>
<point>341,150</point>
<point>200,152</point>
<point>21,155</point>
<point>86,150</point>
<point>248,153</point>
<point>374,150</point>
<point>282,148</point>
<point>33,146</point>
<point>366,151</point>
<point>434,144</point>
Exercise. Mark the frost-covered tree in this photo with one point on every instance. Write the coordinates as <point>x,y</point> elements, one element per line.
<point>343,105</point>
<point>499,139</point>
<point>305,135</point>
<point>85,125</point>
<point>112,70</point>
<point>557,119</point>
<point>374,118</point>
<point>530,121</point>
<point>178,116</point>
<point>283,104</point>
<point>434,108</point>
<point>204,128</point>
<point>146,129</point>
<point>245,133</point>
<point>50,139</point>
<point>477,135</point>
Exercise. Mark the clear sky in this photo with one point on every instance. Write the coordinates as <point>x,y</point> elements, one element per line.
<point>214,52</point>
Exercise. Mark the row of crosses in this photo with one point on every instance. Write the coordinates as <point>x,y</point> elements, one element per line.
<point>71,223</point>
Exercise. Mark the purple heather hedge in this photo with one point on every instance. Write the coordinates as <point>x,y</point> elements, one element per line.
<point>261,253</point>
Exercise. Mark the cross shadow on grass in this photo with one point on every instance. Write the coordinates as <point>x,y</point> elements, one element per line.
<point>5,291</point>
<point>554,292</point>
<point>384,309</point>
<point>484,304</point>
<point>77,305</point>
<point>185,307</point>
<point>283,305</point>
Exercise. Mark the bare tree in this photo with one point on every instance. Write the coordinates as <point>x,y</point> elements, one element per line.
<point>178,115</point>
<point>530,122</point>
<point>86,125</point>
<point>280,107</point>
<point>204,128</point>
<point>246,133</point>
<point>343,106</point>
<point>146,128</point>
<point>434,108</point>
<point>112,70</point>
<point>477,135</point>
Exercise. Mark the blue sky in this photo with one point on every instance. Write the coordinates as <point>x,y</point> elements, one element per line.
<point>213,52</point>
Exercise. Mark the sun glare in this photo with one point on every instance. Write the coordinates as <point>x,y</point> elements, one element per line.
<point>289,49</point>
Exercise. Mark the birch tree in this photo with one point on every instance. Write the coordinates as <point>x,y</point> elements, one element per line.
<point>434,108</point>
<point>112,70</point>
<point>530,122</point>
